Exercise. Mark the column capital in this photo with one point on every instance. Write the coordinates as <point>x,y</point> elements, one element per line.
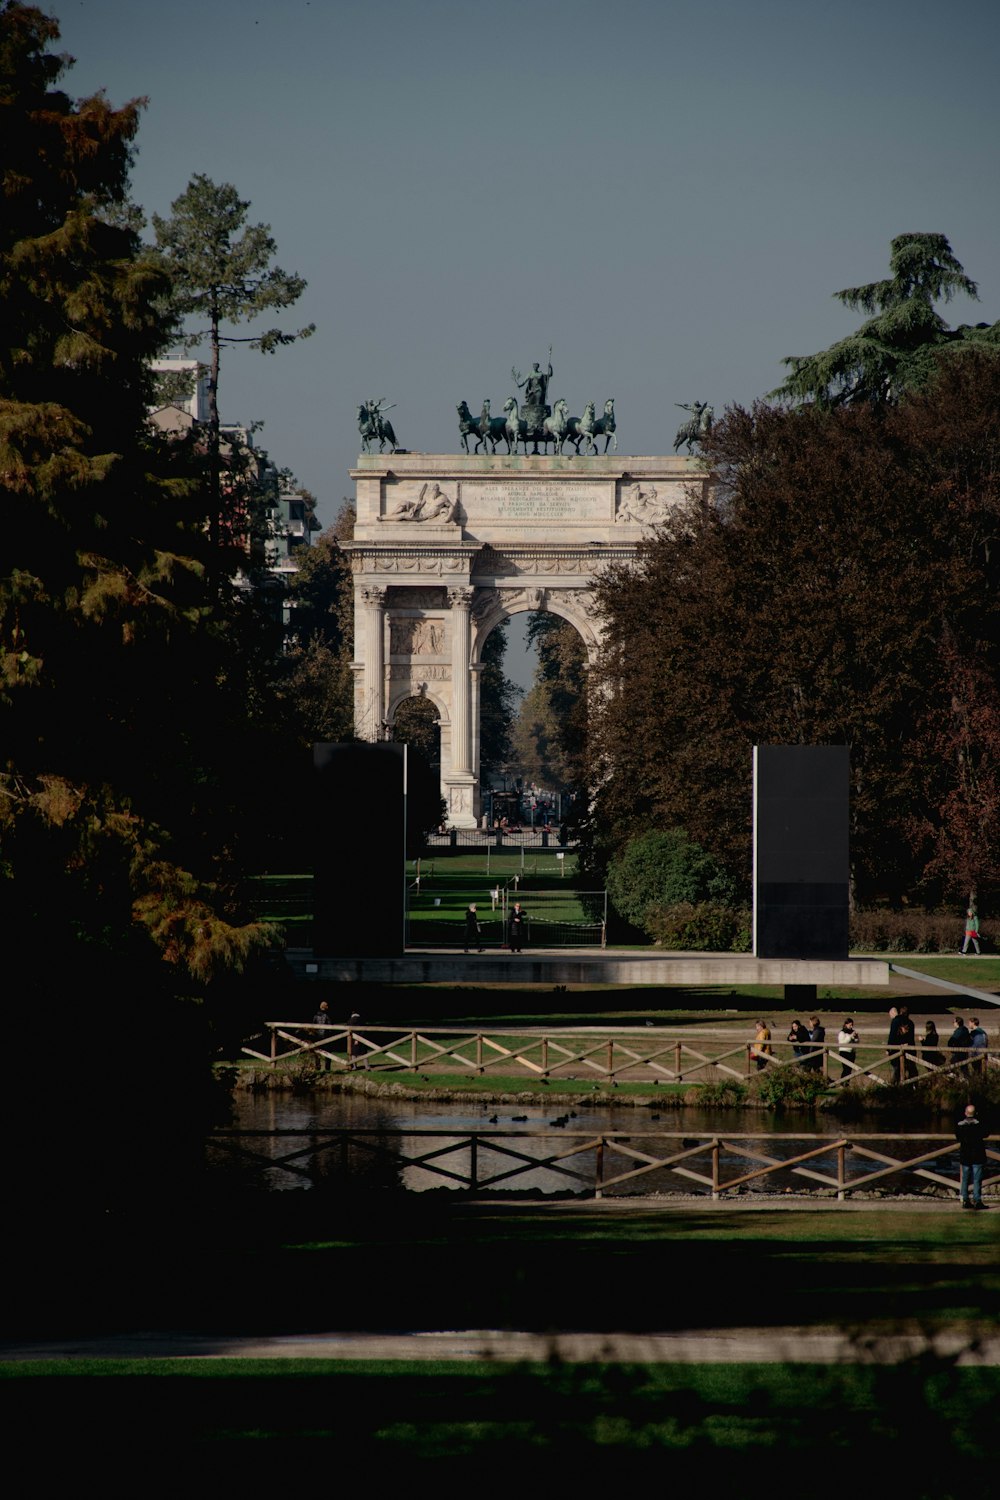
<point>461,598</point>
<point>373,595</point>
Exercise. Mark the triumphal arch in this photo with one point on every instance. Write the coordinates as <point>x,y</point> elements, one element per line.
<point>447,546</point>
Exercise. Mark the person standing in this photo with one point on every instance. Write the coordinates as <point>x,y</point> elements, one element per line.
<point>473,935</point>
<point>798,1035</point>
<point>958,1042</point>
<point>760,1049</point>
<point>930,1044</point>
<point>978,1041</point>
<point>901,1034</point>
<point>971,1137</point>
<point>847,1042</point>
<point>971,930</point>
<point>817,1034</point>
<point>518,926</point>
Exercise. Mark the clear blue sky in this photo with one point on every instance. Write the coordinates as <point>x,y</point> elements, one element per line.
<point>668,192</point>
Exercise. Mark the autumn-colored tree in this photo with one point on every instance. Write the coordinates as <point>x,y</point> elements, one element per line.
<point>849,560</point>
<point>108,649</point>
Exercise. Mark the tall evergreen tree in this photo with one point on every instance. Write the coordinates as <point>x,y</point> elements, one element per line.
<point>222,273</point>
<point>899,346</point>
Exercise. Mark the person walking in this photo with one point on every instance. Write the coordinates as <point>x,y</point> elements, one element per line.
<point>971,1137</point>
<point>847,1043</point>
<point>473,934</point>
<point>971,930</point>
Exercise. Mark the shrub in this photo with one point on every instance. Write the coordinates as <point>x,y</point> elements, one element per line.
<point>664,869</point>
<point>789,1087</point>
<point>729,1094</point>
<point>704,927</point>
<point>876,930</point>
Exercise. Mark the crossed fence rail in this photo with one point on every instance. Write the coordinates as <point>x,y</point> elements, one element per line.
<point>651,1055</point>
<point>478,1161</point>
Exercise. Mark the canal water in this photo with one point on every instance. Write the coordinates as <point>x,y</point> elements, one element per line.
<point>385,1128</point>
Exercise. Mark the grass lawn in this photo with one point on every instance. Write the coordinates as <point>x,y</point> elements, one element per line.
<point>301,1265</point>
<point>529,1424</point>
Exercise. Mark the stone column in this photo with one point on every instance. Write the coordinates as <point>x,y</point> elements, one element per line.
<point>460,779</point>
<point>461,646</point>
<point>373,600</point>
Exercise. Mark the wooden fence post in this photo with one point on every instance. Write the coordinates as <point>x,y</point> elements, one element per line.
<point>274,1045</point>
<point>545,1057</point>
<point>599,1168</point>
<point>715,1170</point>
<point>479,1052</point>
<point>841,1170</point>
<point>611,1059</point>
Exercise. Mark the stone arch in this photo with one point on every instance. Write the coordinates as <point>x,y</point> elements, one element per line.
<point>446,546</point>
<point>498,604</point>
<point>405,692</point>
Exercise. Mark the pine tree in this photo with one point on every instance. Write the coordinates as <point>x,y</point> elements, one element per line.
<point>222,274</point>
<point>899,346</point>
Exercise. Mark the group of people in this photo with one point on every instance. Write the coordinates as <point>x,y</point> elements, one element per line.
<point>517,925</point>
<point>969,1041</point>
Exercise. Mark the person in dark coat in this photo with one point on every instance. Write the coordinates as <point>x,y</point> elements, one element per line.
<point>902,1034</point>
<point>930,1044</point>
<point>473,936</point>
<point>958,1041</point>
<point>798,1035</point>
<point>817,1033</point>
<point>517,927</point>
<point>971,1135</point>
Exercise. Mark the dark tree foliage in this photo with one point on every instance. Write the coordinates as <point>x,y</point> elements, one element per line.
<point>112,663</point>
<point>314,684</point>
<point>900,345</point>
<point>551,731</point>
<point>842,589</point>
<point>498,701</point>
<point>109,651</point>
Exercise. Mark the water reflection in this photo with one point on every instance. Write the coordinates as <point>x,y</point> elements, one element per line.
<point>311,1158</point>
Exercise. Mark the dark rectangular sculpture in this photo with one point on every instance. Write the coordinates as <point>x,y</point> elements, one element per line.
<point>358,810</point>
<point>801,851</point>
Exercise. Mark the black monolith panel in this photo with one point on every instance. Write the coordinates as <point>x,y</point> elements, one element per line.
<point>358,810</point>
<point>801,851</point>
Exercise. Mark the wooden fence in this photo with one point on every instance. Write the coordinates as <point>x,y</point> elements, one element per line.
<point>649,1054</point>
<point>597,1163</point>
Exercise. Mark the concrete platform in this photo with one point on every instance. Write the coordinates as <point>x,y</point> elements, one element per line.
<point>602,966</point>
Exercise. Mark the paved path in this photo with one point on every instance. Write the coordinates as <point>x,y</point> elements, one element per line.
<point>719,1346</point>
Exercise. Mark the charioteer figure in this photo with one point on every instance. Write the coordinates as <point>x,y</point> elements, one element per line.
<point>535,409</point>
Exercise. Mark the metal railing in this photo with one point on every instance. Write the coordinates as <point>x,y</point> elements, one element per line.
<point>598,1162</point>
